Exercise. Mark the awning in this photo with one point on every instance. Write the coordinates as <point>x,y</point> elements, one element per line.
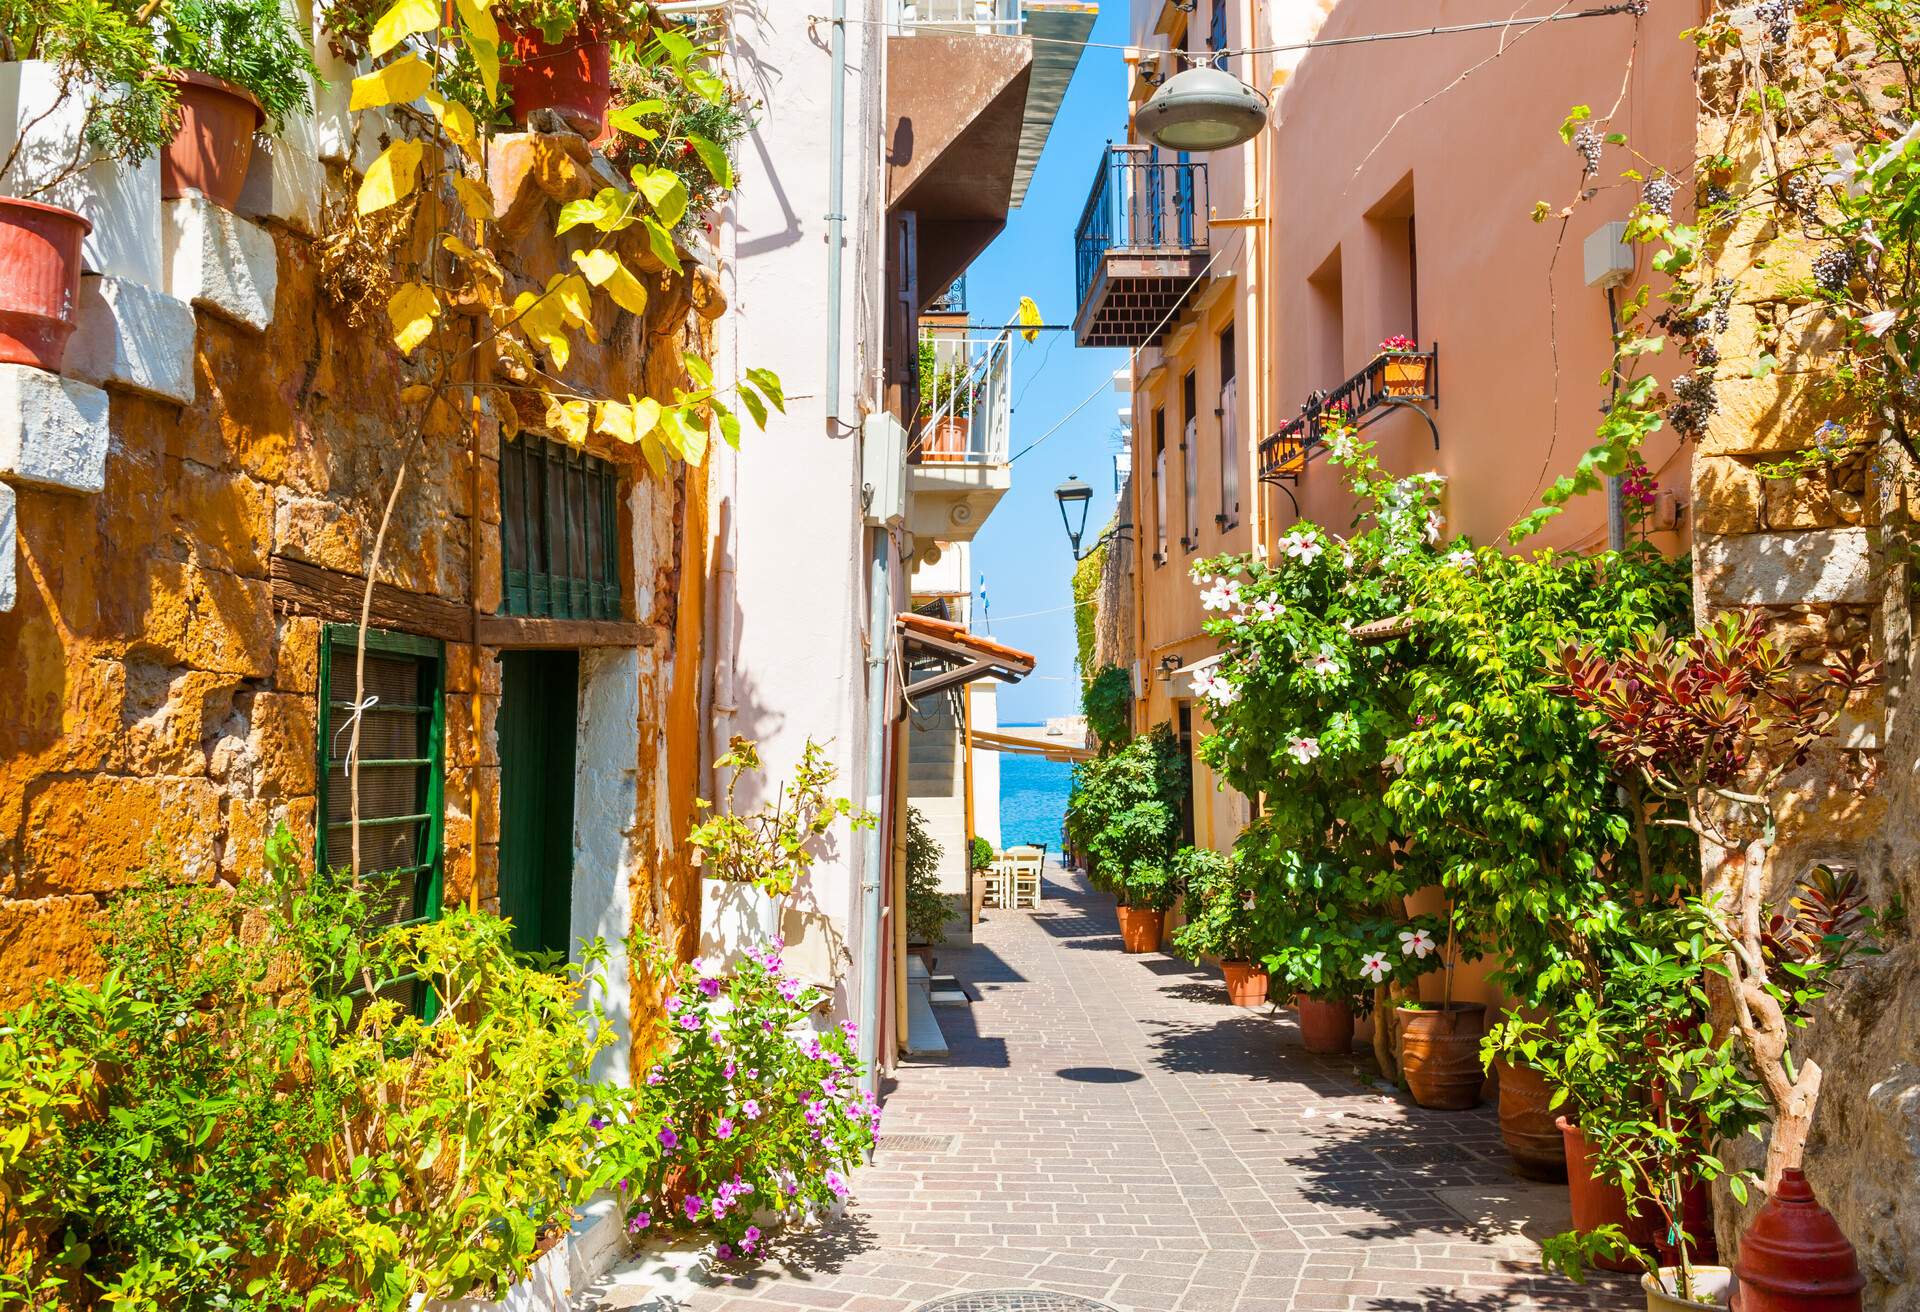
<point>967,656</point>
<point>1181,680</point>
<point>1032,740</point>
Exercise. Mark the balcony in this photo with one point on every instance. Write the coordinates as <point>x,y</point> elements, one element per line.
<point>1140,246</point>
<point>957,468</point>
<point>1392,380</point>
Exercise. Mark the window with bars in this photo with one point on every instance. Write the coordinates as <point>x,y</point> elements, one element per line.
<point>559,531</point>
<point>402,774</point>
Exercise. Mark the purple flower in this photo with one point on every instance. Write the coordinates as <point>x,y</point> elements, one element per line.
<point>689,1021</point>
<point>597,1122</point>
<point>693,1206</point>
<point>750,1109</point>
<point>656,1076</point>
<point>729,1070</point>
<point>816,1111</point>
<point>723,1128</point>
<point>790,989</point>
<point>750,1240</point>
<point>641,1220</point>
<point>767,1025</point>
<point>674,1003</point>
<point>849,1029</point>
<point>710,986</point>
<point>828,1087</point>
<point>837,1183</point>
<point>724,1252</point>
<point>668,1139</point>
<point>753,1074</point>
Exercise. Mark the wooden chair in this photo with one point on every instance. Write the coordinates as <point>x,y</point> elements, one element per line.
<point>1024,869</point>
<point>998,882</point>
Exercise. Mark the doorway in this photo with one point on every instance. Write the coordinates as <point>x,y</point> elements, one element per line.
<point>538,725</point>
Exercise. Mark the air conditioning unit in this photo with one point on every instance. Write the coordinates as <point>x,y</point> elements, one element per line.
<point>883,469</point>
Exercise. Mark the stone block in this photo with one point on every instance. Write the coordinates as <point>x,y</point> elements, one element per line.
<point>167,713</point>
<point>45,938</point>
<point>1783,569</point>
<point>9,551</point>
<point>298,666</point>
<point>132,336</point>
<point>326,533</point>
<point>100,833</point>
<point>1811,503</point>
<point>53,430</point>
<point>122,201</point>
<point>220,262</point>
<point>209,619</point>
<point>1727,496</point>
<point>284,744</point>
<point>286,183</point>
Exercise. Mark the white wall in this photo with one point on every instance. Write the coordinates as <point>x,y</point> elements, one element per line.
<point>605,785</point>
<point>986,764</point>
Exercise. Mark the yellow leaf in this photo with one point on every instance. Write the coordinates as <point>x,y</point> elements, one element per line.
<point>412,309</point>
<point>568,418</point>
<point>616,421</point>
<point>475,199</point>
<point>482,36</point>
<point>391,177</point>
<point>406,78</point>
<point>400,22</point>
<point>656,453</point>
<point>569,292</point>
<point>646,415</point>
<point>604,269</point>
<point>416,392</point>
<point>542,320</point>
<point>458,122</point>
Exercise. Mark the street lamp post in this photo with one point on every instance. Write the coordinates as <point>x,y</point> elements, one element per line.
<point>1074,497</point>
<point>1200,109</point>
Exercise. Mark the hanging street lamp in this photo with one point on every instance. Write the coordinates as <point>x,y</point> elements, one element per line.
<point>1200,109</point>
<point>1075,498</point>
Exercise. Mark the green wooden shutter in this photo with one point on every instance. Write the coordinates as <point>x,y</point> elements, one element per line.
<point>559,531</point>
<point>402,771</point>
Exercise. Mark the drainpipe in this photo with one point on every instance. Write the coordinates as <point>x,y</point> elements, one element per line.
<point>879,644</point>
<point>836,208</point>
<point>1616,484</point>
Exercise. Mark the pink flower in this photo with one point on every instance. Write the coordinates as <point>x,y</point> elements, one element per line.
<point>723,1128</point>
<point>668,1139</point>
<point>689,1021</point>
<point>656,1076</point>
<point>693,1206</point>
<point>837,1183</point>
<point>750,1109</point>
<point>641,1220</point>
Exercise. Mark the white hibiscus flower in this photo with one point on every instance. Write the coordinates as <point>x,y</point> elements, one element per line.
<point>1415,943</point>
<point>1267,610</point>
<point>1462,560</point>
<point>1374,966</point>
<point>1434,525</point>
<point>1224,594</point>
<point>1302,546</point>
<point>1304,750</point>
<point>1324,662</point>
<point>1878,322</point>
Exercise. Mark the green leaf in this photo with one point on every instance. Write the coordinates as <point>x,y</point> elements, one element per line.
<point>769,384</point>
<point>715,158</point>
<point>663,190</point>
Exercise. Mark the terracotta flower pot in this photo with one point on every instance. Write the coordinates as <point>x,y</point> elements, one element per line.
<point>944,442</point>
<point>1325,1027</point>
<point>1140,929</point>
<point>1440,1054</point>
<point>39,280</point>
<point>1711,1286</point>
<point>1527,1126</point>
<point>1246,983</point>
<point>571,77</point>
<point>1598,1202</point>
<point>1794,1256</point>
<point>214,144</point>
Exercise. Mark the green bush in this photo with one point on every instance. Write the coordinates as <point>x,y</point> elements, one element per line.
<point>696,122</point>
<point>979,853</point>
<point>97,47</point>
<point>1107,702</point>
<point>1223,919</point>
<point>927,906</point>
<point>1125,814</point>
<point>250,43</point>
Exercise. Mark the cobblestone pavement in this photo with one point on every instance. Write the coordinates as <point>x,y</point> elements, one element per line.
<point>1110,1127</point>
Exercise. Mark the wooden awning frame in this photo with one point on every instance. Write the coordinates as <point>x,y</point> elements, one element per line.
<point>971,657</point>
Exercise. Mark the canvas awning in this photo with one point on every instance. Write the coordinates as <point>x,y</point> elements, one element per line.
<point>967,656</point>
<point>1031,740</point>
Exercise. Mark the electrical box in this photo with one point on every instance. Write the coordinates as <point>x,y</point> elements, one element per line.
<point>1609,258</point>
<point>883,469</point>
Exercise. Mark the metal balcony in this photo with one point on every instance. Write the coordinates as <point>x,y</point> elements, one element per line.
<point>957,467</point>
<point>1140,246</point>
<point>1392,380</point>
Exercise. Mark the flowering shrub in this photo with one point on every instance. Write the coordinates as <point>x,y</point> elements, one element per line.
<point>1397,343</point>
<point>750,1111</point>
<point>775,846</point>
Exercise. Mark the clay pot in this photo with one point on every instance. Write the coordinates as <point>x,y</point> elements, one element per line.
<point>1325,1027</point>
<point>214,144</point>
<point>1794,1256</point>
<point>1598,1202</point>
<point>1246,983</point>
<point>571,77</point>
<point>1711,1287</point>
<point>1440,1054</point>
<point>1527,1125</point>
<point>945,442</point>
<point>1140,929</point>
<point>39,280</point>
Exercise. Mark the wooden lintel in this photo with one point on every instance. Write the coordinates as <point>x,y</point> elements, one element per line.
<point>526,632</point>
<point>1384,630</point>
<point>303,588</point>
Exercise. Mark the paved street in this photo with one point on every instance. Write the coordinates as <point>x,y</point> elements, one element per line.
<point>1110,1127</point>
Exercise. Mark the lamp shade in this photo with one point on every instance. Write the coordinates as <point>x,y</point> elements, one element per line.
<point>1074,498</point>
<point>1200,109</point>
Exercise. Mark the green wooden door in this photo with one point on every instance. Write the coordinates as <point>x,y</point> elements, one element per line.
<point>539,717</point>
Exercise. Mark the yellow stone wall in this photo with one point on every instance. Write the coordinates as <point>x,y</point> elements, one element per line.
<point>153,703</point>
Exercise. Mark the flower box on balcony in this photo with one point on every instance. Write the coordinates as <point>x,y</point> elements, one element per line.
<point>1404,373</point>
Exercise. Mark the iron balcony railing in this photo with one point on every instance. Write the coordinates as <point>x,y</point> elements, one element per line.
<point>978,17</point>
<point>966,400</point>
<point>1392,380</point>
<point>1140,204</point>
<point>953,300</point>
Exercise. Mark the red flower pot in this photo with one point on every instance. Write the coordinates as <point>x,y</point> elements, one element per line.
<point>1325,1027</point>
<point>1527,1125</point>
<point>39,280</point>
<point>1440,1054</point>
<point>213,146</point>
<point>1794,1256</point>
<point>1140,929</point>
<point>1599,1202</point>
<point>570,76</point>
<point>1246,983</point>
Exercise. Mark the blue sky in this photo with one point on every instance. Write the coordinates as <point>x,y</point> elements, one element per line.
<point>1022,550</point>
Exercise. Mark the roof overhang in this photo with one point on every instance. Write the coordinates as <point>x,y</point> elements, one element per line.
<point>968,656</point>
<point>1052,748</point>
<point>1059,27</point>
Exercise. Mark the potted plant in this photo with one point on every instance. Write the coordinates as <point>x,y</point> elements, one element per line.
<point>1223,921</point>
<point>946,401</point>
<point>556,54</point>
<point>674,113</point>
<point>87,92</point>
<point>1439,1041</point>
<point>1403,367</point>
<point>238,64</point>
<point>1124,813</point>
<point>927,907</point>
<point>750,861</point>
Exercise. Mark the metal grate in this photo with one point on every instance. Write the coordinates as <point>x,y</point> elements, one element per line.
<point>559,529</point>
<point>1013,1300</point>
<point>915,1143</point>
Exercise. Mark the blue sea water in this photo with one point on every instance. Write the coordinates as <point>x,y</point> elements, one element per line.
<point>1033,800</point>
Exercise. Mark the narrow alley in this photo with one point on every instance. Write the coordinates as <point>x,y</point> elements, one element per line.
<point>1108,1127</point>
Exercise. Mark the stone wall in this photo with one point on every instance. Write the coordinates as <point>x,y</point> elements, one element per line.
<point>1825,556</point>
<point>159,674</point>
<point>1113,633</point>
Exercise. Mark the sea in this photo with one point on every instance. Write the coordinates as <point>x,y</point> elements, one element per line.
<point>1033,800</point>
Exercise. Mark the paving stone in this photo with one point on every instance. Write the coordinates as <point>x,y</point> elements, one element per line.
<point>1203,1185</point>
